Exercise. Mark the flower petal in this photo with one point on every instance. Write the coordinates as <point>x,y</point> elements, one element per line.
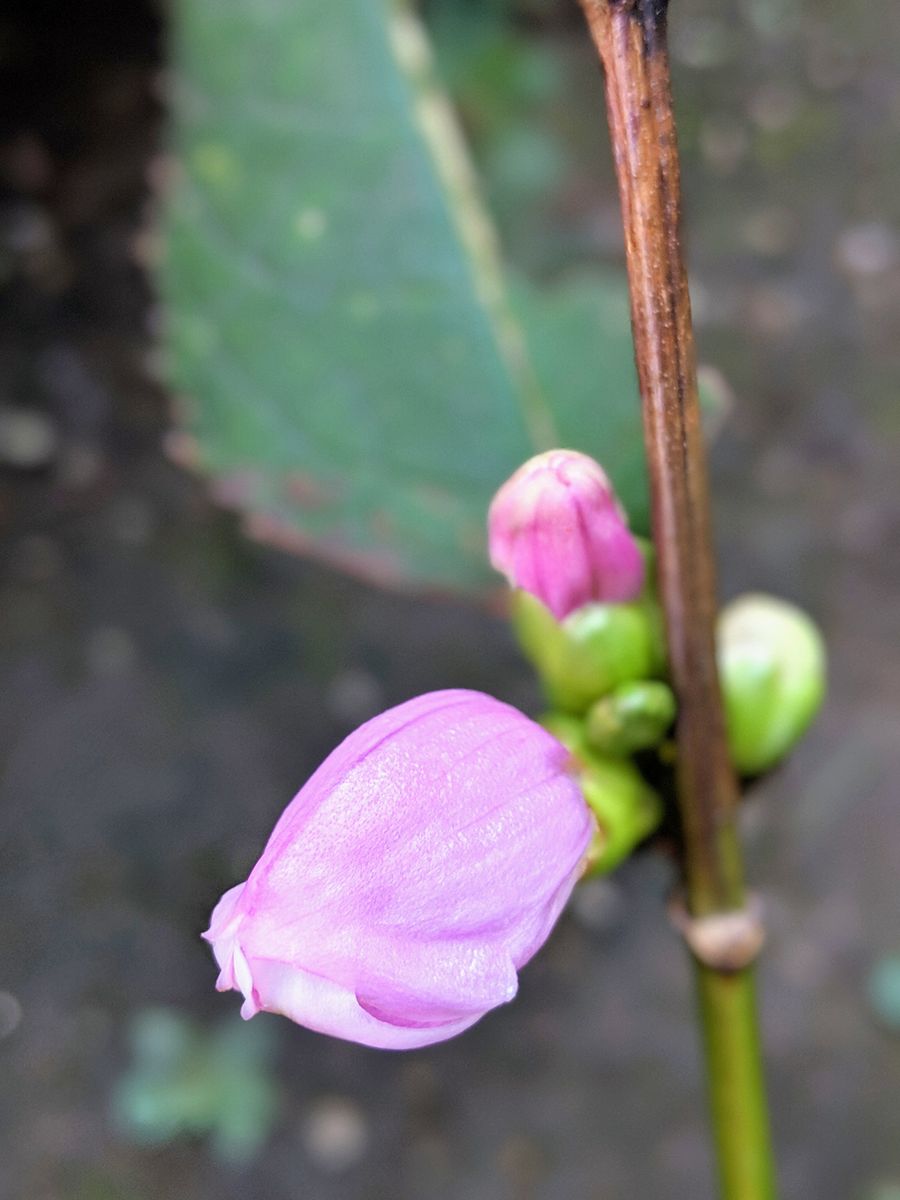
<point>420,866</point>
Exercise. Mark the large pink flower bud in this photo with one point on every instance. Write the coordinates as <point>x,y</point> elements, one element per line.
<point>423,863</point>
<point>556,529</point>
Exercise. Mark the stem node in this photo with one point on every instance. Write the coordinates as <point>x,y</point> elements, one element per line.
<point>724,942</point>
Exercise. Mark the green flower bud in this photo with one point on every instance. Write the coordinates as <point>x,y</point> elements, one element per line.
<point>593,650</point>
<point>626,807</point>
<point>571,732</point>
<point>634,716</point>
<point>772,670</point>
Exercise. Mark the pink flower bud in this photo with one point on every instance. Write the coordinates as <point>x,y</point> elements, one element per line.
<point>556,529</point>
<point>423,863</point>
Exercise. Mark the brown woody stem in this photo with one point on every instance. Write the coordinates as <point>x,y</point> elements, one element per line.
<point>630,36</point>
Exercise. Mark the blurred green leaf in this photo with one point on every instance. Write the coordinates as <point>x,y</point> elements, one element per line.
<point>353,370</point>
<point>579,340</point>
<point>186,1081</point>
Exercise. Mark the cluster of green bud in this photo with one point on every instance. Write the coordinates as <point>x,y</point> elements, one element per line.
<point>603,670</point>
<point>586,612</point>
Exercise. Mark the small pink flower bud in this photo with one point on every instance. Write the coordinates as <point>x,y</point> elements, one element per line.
<point>425,861</point>
<point>556,529</point>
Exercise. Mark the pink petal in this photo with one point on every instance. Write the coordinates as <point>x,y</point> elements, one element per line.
<point>422,864</point>
<point>556,529</point>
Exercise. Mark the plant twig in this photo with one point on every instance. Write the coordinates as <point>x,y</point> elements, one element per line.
<point>630,36</point>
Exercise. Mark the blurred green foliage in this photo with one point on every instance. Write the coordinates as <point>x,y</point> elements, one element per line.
<point>183,1080</point>
<point>353,378</point>
<point>504,81</point>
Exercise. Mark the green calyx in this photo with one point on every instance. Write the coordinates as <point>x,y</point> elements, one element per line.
<point>627,809</point>
<point>572,733</point>
<point>632,717</point>
<point>772,669</point>
<point>592,651</point>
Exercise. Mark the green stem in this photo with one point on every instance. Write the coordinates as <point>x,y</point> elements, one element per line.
<point>630,36</point>
<point>736,1084</point>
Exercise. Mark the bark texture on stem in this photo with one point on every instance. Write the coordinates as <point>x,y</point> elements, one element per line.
<point>631,38</point>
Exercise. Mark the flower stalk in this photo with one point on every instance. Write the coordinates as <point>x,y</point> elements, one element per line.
<point>630,36</point>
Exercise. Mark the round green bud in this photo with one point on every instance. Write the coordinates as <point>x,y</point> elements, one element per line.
<point>626,807</point>
<point>592,651</point>
<point>772,669</point>
<point>634,716</point>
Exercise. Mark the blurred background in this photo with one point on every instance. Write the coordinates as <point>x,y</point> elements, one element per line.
<point>168,684</point>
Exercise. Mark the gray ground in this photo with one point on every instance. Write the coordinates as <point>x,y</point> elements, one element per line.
<point>167,685</point>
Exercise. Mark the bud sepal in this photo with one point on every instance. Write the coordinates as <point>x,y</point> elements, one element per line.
<point>626,807</point>
<point>592,651</point>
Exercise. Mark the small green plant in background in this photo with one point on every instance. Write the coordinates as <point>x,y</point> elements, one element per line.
<point>184,1080</point>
